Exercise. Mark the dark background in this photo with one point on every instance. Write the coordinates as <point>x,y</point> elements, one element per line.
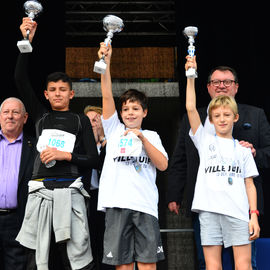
<point>229,34</point>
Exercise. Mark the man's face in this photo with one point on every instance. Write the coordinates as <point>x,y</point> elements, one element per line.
<point>12,118</point>
<point>93,117</point>
<point>95,120</point>
<point>59,95</point>
<point>222,76</point>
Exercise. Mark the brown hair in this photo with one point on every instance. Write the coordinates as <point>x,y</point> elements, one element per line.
<point>223,69</point>
<point>134,95</point>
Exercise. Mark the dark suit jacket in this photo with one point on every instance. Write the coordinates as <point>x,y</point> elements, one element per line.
<point>252,126</point>
<point>25,174</point>
<point>87,174</point>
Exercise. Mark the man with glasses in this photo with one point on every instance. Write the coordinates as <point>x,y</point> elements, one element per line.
<point>252,130</point>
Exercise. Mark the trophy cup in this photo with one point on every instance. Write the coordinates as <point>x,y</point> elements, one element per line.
<point>190,32</point>
<point>112,24</point>
<point>32,9</point>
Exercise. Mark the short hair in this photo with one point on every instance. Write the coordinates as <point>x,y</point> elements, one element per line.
<point>13,99</point>
<point>134,95</point>
<point>223,69</point>
<point>90,108</point>
<point>222,101</point>
<point>59,76</point>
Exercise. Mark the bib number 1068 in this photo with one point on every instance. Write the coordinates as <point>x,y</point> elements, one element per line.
<point>56,143</point>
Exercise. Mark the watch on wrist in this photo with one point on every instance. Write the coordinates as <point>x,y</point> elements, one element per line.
<point>254,211</point>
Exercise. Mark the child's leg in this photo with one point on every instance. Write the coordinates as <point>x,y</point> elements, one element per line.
<point>242,257</point>
<point>147,266</point>
<point>212,256</point>
<point>125,266</point>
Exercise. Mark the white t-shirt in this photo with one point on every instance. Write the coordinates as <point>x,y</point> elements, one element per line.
<point>220,185</point>
<point>128,182</point>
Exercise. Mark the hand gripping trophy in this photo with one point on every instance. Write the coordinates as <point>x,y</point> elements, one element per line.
<point>32,9</point>
<point>190,32</point>
<point>112,24</point>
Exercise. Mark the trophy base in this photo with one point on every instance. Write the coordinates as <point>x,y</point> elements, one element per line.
<point>100,67</point>
<point>24,46</point>
<point>191,73</point>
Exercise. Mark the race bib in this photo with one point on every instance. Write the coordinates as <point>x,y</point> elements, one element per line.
<point>59,139</point>
<point>129,145</point>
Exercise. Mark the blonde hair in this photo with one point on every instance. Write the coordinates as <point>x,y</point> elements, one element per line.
<point>220,101</point>
<point>93,109</point>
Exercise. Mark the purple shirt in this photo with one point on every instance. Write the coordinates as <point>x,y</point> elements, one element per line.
<point>10,158</point>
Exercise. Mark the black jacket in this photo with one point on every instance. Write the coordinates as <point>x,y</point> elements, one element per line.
<point>25,174</point>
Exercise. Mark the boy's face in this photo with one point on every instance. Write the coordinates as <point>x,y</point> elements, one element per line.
<point>59,95</point>
<point>223,119</point>
<point>132,114</point>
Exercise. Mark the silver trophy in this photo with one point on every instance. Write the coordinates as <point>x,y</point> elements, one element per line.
<point>190,32</point>
<point>111,24</point>
<point>32,9</point>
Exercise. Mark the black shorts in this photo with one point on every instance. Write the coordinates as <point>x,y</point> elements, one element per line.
<point>131,236</point>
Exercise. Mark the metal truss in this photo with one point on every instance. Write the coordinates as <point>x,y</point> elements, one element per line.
<point>146,22</point>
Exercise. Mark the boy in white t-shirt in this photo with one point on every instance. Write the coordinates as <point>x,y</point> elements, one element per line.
<point>127,190</point>
<point>225,196</point>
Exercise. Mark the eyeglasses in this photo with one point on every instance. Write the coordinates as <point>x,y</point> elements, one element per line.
<point>226,83</point>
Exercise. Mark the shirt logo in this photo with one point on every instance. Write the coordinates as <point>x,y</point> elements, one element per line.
<point>109,255</point>
<point>160,249</point>
<point>212,148</point>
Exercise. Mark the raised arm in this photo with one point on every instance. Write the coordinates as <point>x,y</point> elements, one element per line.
<point>22,80</point>
<point>193,115</point>
<point>108,105</point>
